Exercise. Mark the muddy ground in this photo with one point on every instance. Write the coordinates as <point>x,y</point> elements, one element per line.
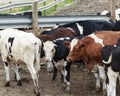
<point>82,84</point>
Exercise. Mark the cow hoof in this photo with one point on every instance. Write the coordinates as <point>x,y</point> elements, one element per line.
<point>53,79</point>
<point>104,93</point>
<point>15,78</point>
<point>96,90</point>
<point>37,93</point>
<point>19,83</point>
<point>67,89</point>
<point>7,84</point>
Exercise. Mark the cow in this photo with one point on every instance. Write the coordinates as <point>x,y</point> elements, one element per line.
<point>78,28</point>
<point>87,27</point>
<point>56,52</point>
<point>108,13</point>
<point>15,46</point>
<point>117,27</point>
<point>84,27</point>
<point>54,34</point>
<point>110,56</point>
<point>105,12</point>
<point>88,49</point>
<point>57,33</point>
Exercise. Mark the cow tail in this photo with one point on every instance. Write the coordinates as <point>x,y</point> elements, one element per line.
<point>109,60</point>
<point>37,50</point>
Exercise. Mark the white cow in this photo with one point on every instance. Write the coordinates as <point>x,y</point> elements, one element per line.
<point>16,45</point>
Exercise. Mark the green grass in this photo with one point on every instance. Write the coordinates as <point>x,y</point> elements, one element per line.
<point>48,12</point>
<point>52,10</point>
<point>16,10</point>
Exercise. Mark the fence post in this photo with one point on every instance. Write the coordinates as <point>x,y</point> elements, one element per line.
<point>35,17</point>
<point>112,10</point>
<point>55,6</point>
<point>44,10</point>
<point>11,8</point>
<point>65,2</point>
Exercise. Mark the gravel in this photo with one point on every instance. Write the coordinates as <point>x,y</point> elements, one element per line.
<point>86,7</point>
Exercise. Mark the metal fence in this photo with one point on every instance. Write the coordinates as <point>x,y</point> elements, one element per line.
<point>19,21</point>
<point>21,4</point>
<point>16,21</point>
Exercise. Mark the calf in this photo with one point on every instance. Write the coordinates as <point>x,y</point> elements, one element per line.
<point>18,46</point>
<point>89,50</point>
<point>110,55</point>
<point>56,51</point>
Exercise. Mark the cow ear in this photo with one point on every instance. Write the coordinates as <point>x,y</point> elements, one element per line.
<point>67,44</point>
<point>55,45</point>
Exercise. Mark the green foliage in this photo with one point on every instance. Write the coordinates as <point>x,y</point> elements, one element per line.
<point>25,8</point>
<point>52,10</point>
<point>47,12</point>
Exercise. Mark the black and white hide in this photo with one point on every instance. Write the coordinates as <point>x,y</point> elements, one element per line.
<point>56,52</point>
<point>111,58</point>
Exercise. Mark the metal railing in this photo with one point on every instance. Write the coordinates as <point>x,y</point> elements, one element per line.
<point>19,4</point>
<point>15,21</point>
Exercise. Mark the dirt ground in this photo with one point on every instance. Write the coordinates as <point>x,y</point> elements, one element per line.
<point>82,84</point>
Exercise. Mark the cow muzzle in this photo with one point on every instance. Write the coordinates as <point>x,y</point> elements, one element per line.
<point>69,59</point>
<point>50,67</point>
<point>48,59</point>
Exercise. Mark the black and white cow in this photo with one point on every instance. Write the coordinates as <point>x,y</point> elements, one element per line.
<point>15,46</point>
<point>57,52</point>
<point>87,27</point>
<point>111,57</point>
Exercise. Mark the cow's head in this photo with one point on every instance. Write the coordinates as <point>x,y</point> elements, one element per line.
<point>76,49</point>
<point>49,49</point>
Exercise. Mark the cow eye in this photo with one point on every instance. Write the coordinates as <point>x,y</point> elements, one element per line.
<point>82,45</point>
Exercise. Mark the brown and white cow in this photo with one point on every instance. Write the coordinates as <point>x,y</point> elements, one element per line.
<point>89,50</point>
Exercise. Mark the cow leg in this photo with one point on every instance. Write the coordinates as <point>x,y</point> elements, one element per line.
<point>102,78</point>
<point>119,79</point>
<point>17,76</point>
<point>111,85</point>
<point>34,77</point>
<point>54,73</point>
<point>96,74</point>
<point>6,66</point>
<point>62,77</point>
<point>66,75</point>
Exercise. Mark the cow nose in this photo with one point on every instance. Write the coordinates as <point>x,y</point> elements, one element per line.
<point>48,59</point>
<point>69,58</point>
